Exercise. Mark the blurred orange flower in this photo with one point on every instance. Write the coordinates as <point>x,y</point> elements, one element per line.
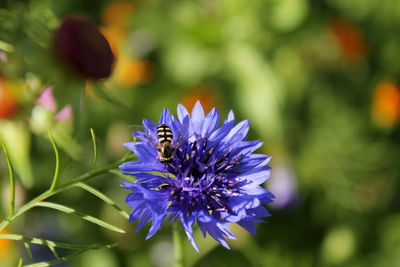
<point>116,17</point>
<point>8,103</point>
<point>114,40</point>
<point>117,14</point>
<point>386,104</point>
<point>5,244</point>
<point>349,39</point>
<point>204,94</point>
<point>131,71</point>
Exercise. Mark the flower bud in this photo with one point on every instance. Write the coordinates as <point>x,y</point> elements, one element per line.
<point>81,44</point>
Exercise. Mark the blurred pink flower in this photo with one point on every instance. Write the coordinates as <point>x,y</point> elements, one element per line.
<point>47,100</point>
<point>3,56</point>
<point>64,115</point>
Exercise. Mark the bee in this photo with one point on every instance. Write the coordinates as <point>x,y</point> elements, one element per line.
<point>164,148</point>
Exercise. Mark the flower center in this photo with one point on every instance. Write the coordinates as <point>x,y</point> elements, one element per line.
<point>202,177</point>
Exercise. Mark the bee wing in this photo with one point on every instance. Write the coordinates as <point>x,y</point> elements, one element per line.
<point>182,136</point>
<point>139,132</point>
<point>135,127</point>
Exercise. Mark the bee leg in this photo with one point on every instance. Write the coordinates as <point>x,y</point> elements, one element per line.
<point>159,152</point>
<point>156,158</point>
<point>148,136</point>
<point>155,144</point>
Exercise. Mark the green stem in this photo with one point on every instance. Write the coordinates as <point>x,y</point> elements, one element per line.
<point>178,245</point>
<point>63,187</point>
<point>94,149</point>
<point>12,183</point>
<point>56,172</point>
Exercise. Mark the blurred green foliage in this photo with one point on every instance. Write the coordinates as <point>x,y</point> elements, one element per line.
<point>317,79</point>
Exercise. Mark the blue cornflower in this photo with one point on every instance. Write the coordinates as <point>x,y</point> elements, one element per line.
<point>214,177</point>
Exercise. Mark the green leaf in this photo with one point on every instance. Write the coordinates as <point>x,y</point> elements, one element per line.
<point>17,139</point>
<point>38,31</point>
<point>79,214</point>
<point>12,183</point>
<point>54,252</point>
<point>107,97</point>
<point>103,197</point>
<point>123,176</point>
<point>9,48</point>
<point>28,249</point>
<point>20,262</point>
<point>94,149</point>
<point>50,243</point>
<point>63,259</point>
<point>84,177</point>
<point>57,170</point>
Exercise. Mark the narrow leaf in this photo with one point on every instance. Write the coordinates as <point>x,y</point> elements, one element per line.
<point>54,252</point>
<point>123,176</point>
<point>20,262</point>
<point>57,170</point>
<point>63,259</point>
<point>50,243</point>
<point>89,175</point>
<point>79,214</point>
<point>103,197</point>
<point>94,149</point>
<point>38,31</point>
<point>107,97</point>
<point>12,182</point>
<point>28,249</point>
<point>4,223</point>
<point>17,139</point>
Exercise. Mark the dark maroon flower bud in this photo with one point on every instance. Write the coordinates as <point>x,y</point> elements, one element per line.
<point>84,47</point>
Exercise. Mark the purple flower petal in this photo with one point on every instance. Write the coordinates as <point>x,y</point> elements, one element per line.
<point>150,129</point>
<point>248,226</point>
<point>210,123</point>
<point>214,177</point>
<point>187,222</point>
<point>182,112</point>
<point>165,117</point>
<point>231,117</point>
<point>197,117</point>
<point>237,134</point>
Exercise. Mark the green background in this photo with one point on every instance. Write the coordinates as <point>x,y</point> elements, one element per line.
<point>304,73</point>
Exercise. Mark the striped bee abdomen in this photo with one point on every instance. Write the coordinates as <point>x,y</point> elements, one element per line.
<point>164,134</point>
<point>164,148</point>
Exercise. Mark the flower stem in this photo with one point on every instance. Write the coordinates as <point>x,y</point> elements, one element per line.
<point>63,187</point>
<point>178,245</point>
<point>12,183</point>
<point>56,172</point>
